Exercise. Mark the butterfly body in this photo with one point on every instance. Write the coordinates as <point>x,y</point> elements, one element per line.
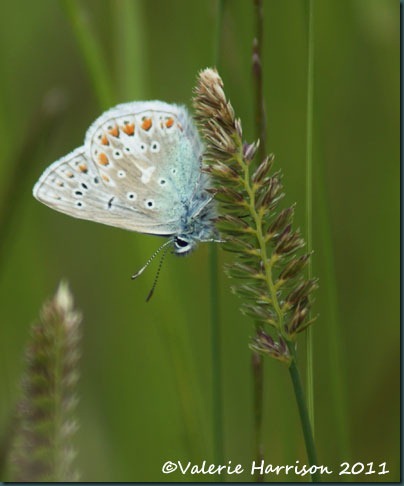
<point>139,169</point>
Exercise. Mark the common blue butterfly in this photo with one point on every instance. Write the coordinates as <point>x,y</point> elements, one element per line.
<point>139,169</point>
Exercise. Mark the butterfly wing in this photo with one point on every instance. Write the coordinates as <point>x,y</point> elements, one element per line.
<point>137,170</point>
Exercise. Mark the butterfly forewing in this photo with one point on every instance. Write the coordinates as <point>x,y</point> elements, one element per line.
<point>138,166</point>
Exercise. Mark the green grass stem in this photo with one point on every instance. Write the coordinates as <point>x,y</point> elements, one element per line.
<point>129,35</point>
<point>45,122</point>
<point>216,341</point>
<point>216,349</point>
<point>218,41</point>
<point>260,115</point>
<point>258,400</point>
<point>337,375</point>
<point>91,52</point>
<point>260,130</point>
<point>309,202</point>
<point>304,416</point>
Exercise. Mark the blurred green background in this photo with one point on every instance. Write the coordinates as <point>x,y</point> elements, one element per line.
<point>145,391</point>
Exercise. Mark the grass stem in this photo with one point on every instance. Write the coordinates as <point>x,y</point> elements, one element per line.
<point>258,379</point>
<point>260,129</point>
<point>260,115</point>
<point>309,203</point>
<point>217,388</point>
<point>304,416</point>
<point>216,360</point>
<point>91,52</point>
<point>44,124</point>
<point>337,373</point>
<point>129,39</point>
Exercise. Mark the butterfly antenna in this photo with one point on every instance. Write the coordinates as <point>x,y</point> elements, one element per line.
<point>157,275</point>
<point>139,272</point>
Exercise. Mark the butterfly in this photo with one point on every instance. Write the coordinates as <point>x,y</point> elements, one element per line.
<point>139,169</point>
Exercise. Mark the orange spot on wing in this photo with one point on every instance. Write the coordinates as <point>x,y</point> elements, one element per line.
<point>114,131</point>
<point>83,168</point>
<point>147,123</point>
<point>169,122</point>
<point>105,177</point>
<point>103,159</point>
<point>69,174</point>
<point>129,129</point>
<point>104,140</point>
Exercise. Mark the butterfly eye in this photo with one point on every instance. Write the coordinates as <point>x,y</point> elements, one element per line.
<point>182,245</point>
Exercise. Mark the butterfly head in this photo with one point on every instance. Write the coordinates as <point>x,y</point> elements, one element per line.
<point>197,222</point>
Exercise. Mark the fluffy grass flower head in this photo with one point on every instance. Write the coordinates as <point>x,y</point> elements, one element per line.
<point>269,261</point>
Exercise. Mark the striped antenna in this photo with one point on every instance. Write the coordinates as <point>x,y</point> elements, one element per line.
<point>157,275</point>
<point>139,272</point>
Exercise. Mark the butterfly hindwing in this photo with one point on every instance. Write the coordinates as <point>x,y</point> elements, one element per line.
<point>160,134</point>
